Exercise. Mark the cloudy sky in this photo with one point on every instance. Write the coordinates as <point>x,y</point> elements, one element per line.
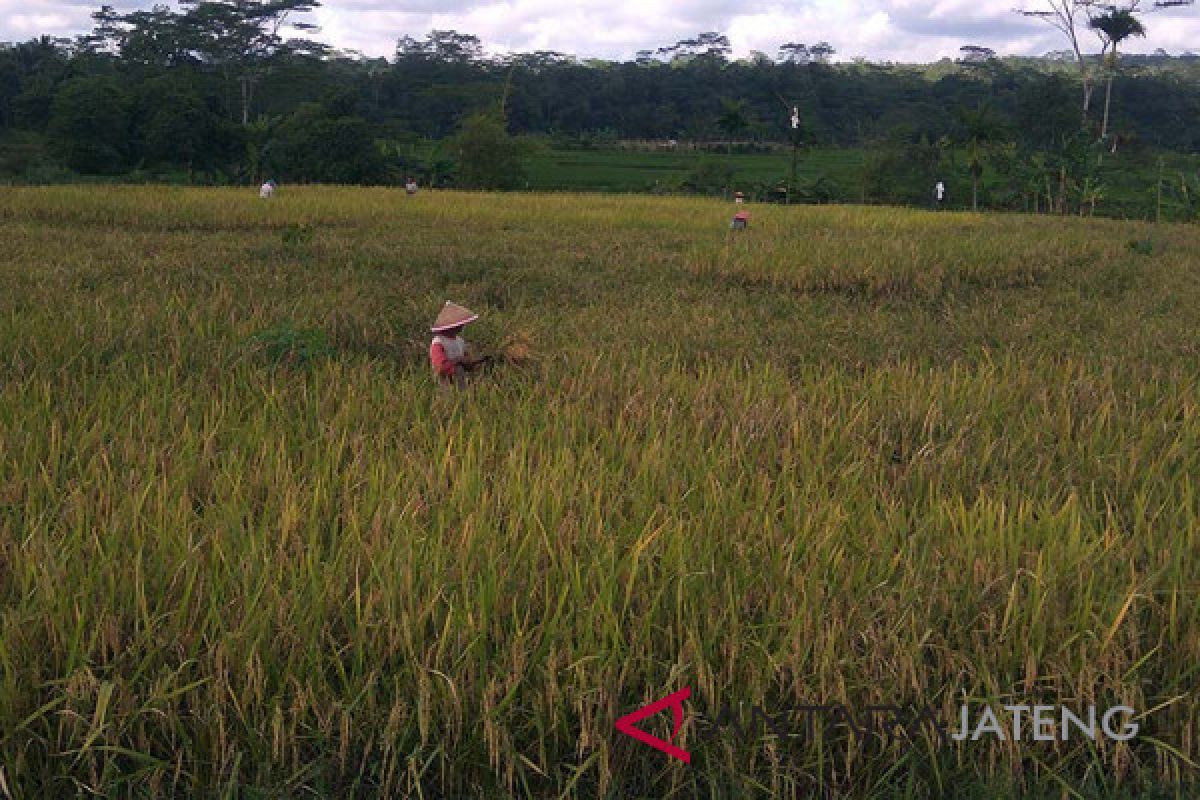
<point>892,30</point>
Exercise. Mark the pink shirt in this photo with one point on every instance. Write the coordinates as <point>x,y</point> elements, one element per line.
<point>446,353</point>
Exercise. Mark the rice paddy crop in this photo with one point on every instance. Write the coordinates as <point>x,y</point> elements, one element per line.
<point>856,456</point>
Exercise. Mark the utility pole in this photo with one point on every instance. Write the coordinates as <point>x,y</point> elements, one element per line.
<point>795,149</point>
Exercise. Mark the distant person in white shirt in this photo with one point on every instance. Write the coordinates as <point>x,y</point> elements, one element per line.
<point>266,190</point>
<point>411,186</point>
<point>939,195</point>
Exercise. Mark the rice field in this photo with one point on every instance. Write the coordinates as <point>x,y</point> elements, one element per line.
<point>634,171</point>
<point>249,549</point>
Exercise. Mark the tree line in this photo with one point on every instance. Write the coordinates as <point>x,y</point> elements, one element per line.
<point>236,90</point>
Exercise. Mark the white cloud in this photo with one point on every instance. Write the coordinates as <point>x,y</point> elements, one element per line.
<point>893,30</point>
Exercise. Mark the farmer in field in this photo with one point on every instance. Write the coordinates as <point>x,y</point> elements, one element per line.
<point>266,190</point>
<point>741,221</point>
<point>410,186</point>
<point>449,352</point>
<point>939,195</point>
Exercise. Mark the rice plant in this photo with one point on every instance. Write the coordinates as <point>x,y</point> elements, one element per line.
<point>855,455</point>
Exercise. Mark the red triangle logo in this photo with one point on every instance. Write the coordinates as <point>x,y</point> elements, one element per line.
<point>627,723</point>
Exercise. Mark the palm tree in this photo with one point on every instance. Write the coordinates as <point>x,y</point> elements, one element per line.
<point>984,129</point>
<point>1113,27</point>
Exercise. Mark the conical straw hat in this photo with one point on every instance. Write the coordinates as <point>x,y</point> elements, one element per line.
<point>452,316</point>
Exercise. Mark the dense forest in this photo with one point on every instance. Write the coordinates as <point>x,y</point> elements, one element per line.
<point>214,92</point>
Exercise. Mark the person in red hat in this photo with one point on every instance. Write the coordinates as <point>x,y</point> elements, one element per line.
<point>449,352</point>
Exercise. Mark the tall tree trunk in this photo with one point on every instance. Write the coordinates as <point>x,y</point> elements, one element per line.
<point>1085,75</point>
<point>1107,104</point>
<point>974,193</point>
<point>245,82</point>
<point>248,79</point>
